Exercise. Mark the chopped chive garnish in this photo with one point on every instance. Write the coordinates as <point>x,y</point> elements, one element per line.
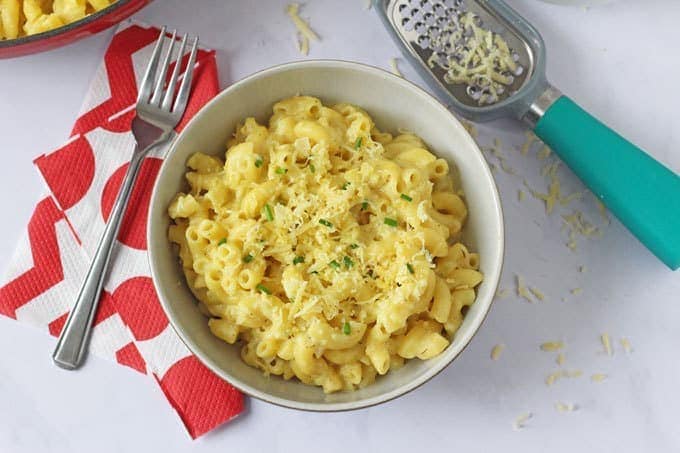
<point>298,259</point>
<point>354,246</point>
<point>406,197</point>
<point>312,168</point>
<point>364,205</point>
<point>357,144</point>
<point>345,185</point>
<point>334,264</point>
<point>222,241</point>
<point>268,212</point>
<point>258,161</point>
<point>263,288</point>
<point>391,222</point>
<point>325,222</point>
<point>281,170</point>
<point>248,258</point>
<point>348,262</point>
<point>410,268</point>
<point>346,328</point>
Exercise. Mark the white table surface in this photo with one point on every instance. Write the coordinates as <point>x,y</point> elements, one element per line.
<point>620,61</point>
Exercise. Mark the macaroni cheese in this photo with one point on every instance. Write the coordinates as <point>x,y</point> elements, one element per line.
<point>28,17</point>
<point>328,247</point>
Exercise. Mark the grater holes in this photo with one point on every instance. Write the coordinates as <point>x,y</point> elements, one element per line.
<point>438,10</point>
<point>420,28</point>
<point>426,6</point>
<point>433,32</point>
<point>414,3</point>
<point>402,7</point>
<point>443,21</point>
<point>519,70</point>
<point>423,41</point>
<point>407,23</point>
<point>429,19</point>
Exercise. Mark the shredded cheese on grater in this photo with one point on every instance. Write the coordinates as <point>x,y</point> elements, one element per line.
<point>479,59</point>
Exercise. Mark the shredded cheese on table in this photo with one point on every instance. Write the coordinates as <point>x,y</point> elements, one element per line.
<point>394,68</point>
<point>536,292</point>
<point>522,290</point>
<point>544,152</point>
<point>502,293</point>
<point>565,407</point>
<point>552,346</point>
<point>531,138</point>
<point>521,420</point>
<point>598,377</point>
<point>560,359</point>
<point>497,351</point>
<point>625,344</point>
<point>304,30</point>
<point>604,338</point>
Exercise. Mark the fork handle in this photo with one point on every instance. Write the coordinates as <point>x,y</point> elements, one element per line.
<point>640,191</point>
<point>72,344</point>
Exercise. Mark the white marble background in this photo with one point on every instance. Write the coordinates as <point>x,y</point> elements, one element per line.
<point>620,61</point>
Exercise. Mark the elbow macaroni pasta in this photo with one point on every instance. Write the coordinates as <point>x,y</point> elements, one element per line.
<point>329,249</point>
<point>28,17</point>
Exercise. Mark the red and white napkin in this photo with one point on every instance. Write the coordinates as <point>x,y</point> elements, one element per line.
<point>83,178</point>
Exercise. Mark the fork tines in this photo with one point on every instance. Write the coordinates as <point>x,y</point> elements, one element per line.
<point>153,89</point>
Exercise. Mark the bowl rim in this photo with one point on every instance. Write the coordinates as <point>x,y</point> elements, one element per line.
<point>403,389</point>
<point>70,27</point>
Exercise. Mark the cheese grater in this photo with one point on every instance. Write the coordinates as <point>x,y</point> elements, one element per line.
<point>436,35</point>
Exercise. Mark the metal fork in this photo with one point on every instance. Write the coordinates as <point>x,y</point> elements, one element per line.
<point>158,112</point>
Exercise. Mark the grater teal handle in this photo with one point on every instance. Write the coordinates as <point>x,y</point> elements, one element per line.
<point>641,192</point>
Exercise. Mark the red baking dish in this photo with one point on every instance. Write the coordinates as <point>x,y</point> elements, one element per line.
<point>94,23</point>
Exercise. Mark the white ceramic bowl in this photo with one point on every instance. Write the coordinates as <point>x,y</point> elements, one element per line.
<point>393,103</point>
